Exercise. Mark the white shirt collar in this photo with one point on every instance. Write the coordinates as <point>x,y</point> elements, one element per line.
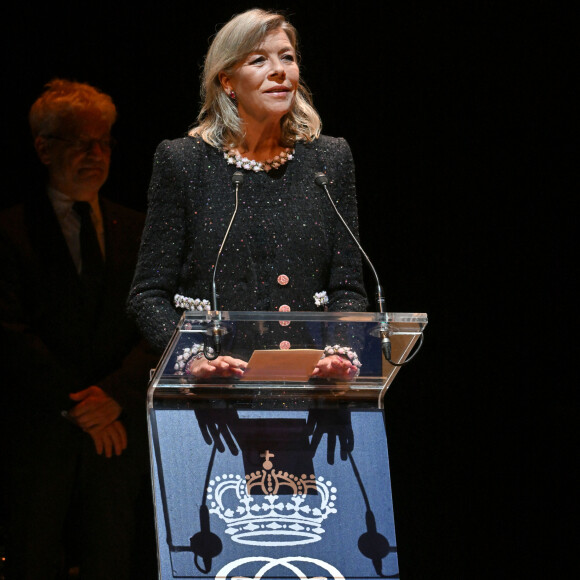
<point>62,204</point>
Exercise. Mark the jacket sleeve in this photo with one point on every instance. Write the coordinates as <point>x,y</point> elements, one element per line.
<point>162,249</point>
<point>346,285</point>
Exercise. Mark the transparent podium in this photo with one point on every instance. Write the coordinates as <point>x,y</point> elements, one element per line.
<point>276,473</point>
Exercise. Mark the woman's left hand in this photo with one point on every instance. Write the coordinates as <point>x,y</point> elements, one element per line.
<point>335,367</point>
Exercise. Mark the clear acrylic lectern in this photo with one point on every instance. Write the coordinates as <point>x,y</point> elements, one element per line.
<point>276,473</point>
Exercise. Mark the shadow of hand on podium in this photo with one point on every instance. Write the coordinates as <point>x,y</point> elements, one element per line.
<point>336,424</point>
<point>216,428</point>
<point>223,427</point>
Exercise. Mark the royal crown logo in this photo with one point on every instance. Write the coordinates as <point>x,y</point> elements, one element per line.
<point>257,513</point>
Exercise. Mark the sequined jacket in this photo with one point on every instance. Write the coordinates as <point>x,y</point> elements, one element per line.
<point>285,244</point>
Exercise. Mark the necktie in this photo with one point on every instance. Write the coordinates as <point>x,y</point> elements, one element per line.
<point>92,265</point>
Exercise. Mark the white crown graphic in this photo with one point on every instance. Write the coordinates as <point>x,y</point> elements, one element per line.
<point>271,519</point>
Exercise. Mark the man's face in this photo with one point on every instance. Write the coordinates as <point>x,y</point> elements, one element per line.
<point>78,156</point>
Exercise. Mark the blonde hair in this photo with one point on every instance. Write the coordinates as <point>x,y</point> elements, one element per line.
<point>62,100</point>
<point>218,121</point>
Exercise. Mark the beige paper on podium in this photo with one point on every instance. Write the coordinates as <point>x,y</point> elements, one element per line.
<point>282,365</point>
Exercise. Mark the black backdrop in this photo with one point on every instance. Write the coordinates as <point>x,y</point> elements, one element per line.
<point>462,139</point>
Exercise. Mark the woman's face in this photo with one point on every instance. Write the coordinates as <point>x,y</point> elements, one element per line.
<point>265,82</point>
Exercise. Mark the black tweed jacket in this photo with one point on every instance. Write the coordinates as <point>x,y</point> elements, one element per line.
<point>285,244</point>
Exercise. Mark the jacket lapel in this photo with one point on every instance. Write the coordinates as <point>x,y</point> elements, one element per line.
<point>51,247</point>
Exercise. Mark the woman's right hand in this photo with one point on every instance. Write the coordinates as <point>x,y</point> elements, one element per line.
<point>222,366</point>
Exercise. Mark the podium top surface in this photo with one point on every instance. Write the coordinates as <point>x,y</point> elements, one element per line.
<point>395,319</point>
<point>283,349</point>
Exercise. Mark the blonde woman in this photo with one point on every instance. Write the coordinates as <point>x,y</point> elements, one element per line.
<point>286,244</point>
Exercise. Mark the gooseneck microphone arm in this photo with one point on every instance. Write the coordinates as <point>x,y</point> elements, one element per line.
<point>322,181</point>
<point>212,352</point>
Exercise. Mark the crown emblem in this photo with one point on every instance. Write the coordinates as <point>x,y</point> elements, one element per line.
<point>256,512</point>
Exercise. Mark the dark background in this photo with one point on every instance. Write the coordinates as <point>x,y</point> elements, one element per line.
<point>460,121</point>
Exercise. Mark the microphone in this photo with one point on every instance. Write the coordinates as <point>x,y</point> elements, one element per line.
<point>322,181</point>
<point>217,331</point>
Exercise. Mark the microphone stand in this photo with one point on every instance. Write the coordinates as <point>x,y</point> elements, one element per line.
<point>322,180</point>
<point>212,352</point>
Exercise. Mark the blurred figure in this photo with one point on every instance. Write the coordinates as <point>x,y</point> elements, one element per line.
<point>75,372</point>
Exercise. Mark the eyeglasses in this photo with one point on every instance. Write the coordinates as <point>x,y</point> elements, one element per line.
<point>86,145</point>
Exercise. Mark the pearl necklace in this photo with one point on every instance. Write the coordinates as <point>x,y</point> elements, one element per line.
<point>234,158</point>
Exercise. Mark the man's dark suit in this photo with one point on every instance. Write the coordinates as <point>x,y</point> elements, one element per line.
<point>50,348</point>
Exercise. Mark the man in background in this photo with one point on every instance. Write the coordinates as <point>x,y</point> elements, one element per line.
<point>75,373</point>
